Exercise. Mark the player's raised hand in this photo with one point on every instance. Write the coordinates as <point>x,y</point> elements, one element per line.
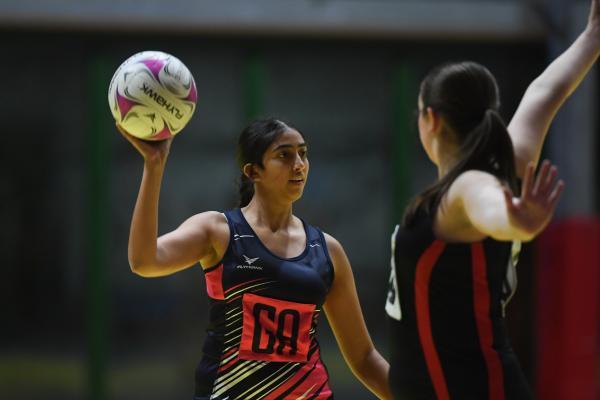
<point>532,211</point>
<point>153,151</point>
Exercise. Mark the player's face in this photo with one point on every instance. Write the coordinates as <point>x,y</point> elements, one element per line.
<point>425,128</point>
<point>285,166</point>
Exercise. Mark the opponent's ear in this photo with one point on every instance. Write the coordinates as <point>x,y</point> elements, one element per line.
<point>434,120</point>
<point>249,170</point>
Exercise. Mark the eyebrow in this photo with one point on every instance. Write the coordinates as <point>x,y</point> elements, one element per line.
<point>287,146</point>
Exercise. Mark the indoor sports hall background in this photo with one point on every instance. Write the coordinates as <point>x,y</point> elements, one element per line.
<point>75,323</point>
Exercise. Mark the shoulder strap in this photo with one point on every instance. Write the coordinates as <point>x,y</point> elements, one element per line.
<point>314,234</point>
<point>237,224</point>
<point>316,238</point>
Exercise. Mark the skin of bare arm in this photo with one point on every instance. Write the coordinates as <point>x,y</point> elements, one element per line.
<point>477,204</point>
<point>201,238</point>
<point>346,320</point>
<point>546,94</point>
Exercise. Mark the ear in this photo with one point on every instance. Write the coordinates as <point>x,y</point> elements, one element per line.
<point>250,171</point>
<point>434,121</point>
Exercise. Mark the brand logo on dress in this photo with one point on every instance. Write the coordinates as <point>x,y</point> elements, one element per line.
<point>238,237</point>
<point>248,265</point>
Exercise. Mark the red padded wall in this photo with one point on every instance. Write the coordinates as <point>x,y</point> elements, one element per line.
<point>568,311</point>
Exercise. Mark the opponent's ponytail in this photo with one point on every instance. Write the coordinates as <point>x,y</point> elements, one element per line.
<point>466,96</point>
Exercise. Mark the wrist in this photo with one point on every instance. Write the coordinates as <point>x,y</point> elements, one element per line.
<point>154,163</point>
<point>592,33</point>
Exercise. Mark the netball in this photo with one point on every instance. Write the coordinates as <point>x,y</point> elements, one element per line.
<point>152,95</point>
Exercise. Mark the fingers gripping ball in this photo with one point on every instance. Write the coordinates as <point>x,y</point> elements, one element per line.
<point>152,95</point>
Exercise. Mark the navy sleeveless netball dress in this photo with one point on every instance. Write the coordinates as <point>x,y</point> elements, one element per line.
<point>261,341</point>
<point>445,305</point>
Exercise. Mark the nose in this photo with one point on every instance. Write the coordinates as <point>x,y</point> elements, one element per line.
<point>299,163</point>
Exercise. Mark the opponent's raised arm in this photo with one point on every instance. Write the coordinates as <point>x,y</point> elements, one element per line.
<point>149,255</point>
<point>346,320</point>
<point>546,94</point>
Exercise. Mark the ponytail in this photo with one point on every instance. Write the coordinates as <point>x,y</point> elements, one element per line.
<point>246,190</point>
<point>487,147</point>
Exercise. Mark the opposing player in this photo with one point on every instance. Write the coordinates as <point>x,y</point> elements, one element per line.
<point>454,255</point>
<point>268,275</point>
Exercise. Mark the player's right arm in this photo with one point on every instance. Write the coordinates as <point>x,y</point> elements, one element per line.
<point>196,239</point>
<point>546,94</point>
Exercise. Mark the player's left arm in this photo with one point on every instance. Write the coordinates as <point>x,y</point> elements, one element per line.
<point>492,209</point>
<point>346,320</point>
<point>546,94</point>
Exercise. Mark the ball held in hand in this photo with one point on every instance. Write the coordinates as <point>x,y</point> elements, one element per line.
<point>152,95</point>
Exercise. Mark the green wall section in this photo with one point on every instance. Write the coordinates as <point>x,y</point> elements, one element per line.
<point>98,214</point>
<point>253,87</point>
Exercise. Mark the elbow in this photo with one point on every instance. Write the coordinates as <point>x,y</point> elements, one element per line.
<point>553,93</point>
<point>510,235</point>
<point>524,234</point>
<point>361,364</point>
<point>141,269</point>
<point>527,236</point>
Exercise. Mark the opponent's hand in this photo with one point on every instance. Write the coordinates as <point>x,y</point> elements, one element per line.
<point>531,212</point>
<point>153,151</point>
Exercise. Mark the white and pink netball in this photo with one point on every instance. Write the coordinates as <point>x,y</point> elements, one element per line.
<point>152,95</point>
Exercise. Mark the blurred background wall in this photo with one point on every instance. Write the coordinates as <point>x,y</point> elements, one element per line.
<point>77,324</point>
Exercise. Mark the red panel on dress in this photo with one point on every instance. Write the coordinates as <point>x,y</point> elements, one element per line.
<point>214,283</point>
<point>275,330</point>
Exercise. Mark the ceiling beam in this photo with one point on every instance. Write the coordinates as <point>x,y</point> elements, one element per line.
<point>339,18</point>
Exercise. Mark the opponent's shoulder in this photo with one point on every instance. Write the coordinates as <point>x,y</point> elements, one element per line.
<point>472,192</point>
<point>469,183</point>
<point>474,177</point>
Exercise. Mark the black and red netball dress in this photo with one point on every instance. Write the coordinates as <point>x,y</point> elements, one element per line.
<point>446,310</point>
<point>261,342</point>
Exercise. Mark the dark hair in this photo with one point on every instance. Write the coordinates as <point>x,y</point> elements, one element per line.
<point>254,140</point>
<point>466,95</point>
